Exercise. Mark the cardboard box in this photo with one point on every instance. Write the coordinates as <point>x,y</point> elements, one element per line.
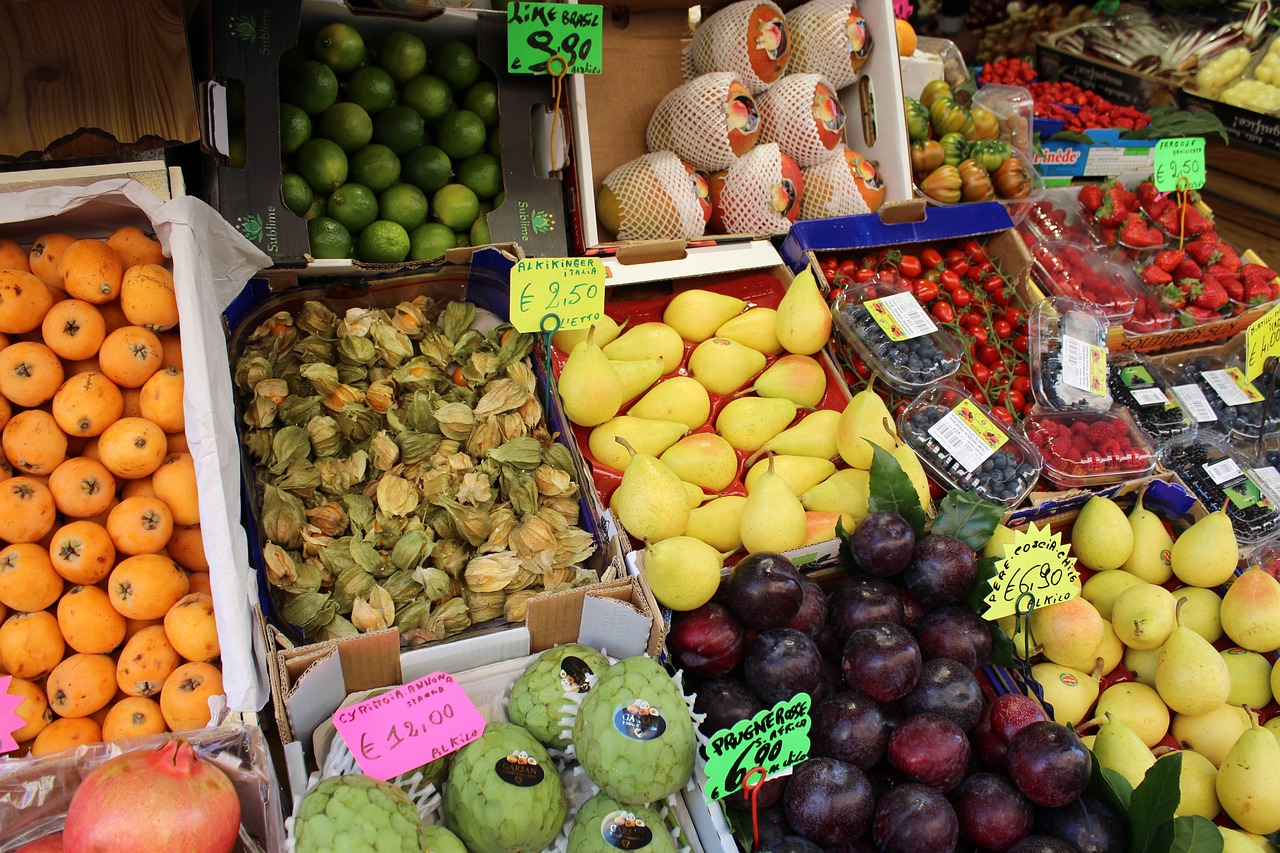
<point>1109,155</point>
<point>245,40</point>
<point>647,40</point>
<point>1242,125</point>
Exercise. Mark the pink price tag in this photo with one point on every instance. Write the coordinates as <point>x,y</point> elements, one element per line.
<point>10,722</point>
<point>409,726</point>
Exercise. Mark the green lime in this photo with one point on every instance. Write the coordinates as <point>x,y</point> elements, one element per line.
<point>376,166</point>
<point>456,63</point>
<point>328,238</point>
<point>353,205</point>
<point>493,143</point>
<point>482,174</point>
<point>461,239</point>
<point>480,232</point>
<point>295,128</point>
<point>322,164</point>
<point>340,47</point>
<point>383,243</point>
<point>317,208</point>
<point>372,88</point>
<point>426,167</point>
<point>236,148</point>
<point>346,124</point>
<point>294,57</point>
<point>399,128</point>
<point>485,206</point>
<point>403,55</point>
<point>430,241</point>
<point>482,99</point>
<point>461,134</point>
<point>430,96</point>
<point>403,204</point>
<point>312,86</point>
<point>455,206</point>
<point>499,199</point>
<point>296,193</point>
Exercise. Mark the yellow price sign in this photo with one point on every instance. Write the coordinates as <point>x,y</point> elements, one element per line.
<point>546,289</point>
<point>1261,339</point>
<point>1036,562</point>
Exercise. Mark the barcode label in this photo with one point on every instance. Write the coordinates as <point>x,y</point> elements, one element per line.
<point>1084,365</point>
<point>1149,396</point>
<point>1195,402</point>
<point>1226,388</point>
<point>959,439</point>
<point>1268,477</point>
<point>1223,471</point>
<point>900,317</point>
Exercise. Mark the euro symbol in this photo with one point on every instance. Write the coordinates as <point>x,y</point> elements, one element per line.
<point>366,748</point>
<point>525,298</point>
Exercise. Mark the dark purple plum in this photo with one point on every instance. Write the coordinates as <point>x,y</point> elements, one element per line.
<point>708,641</point>
<point>790,844</point>
<point>853,728</point>
<point>990,750</point>
<point>773,823</point>
<point>993,814</point>
<point>931,750</point>
<point>914,818</point>
<point>767,794</point>
<point>764,591</point>
<point>829,802</point>
<point>863,602</point>
<point>1087,824</point>
<point>1049,763</point>
<point>781,663</point>
<point>912,610</point>
<point>942,571</point>
<point>726,702</point>
<point>957,633</point>
<point>882,544</point>
<point>948,688</point>
<point>830,643</point>
<point>1042,844</point>
<point>812,615</point>
<point>882,661</point>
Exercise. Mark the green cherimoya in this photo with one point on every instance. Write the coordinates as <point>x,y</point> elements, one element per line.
<point>437,839</point>
<point>537,697</point>
<point>604,825</point>
<point>633,734</point>
<point>356,813</point>
<point>503,794</point>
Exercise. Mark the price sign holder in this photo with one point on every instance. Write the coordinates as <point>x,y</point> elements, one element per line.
<point>554,38</point>
<point>770,743</point>
<point>406,727</point>
<point>1179,158</point>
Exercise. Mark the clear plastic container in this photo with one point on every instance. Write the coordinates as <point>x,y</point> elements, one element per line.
<point>1068,355</point>
<point>1056,216</point>
<point>1017,208</point>
<point>1014,109</point>
<point>1141,387</point>
<point>1089,449</point>
<point>1216,473</point>
<point>962,444</point>
<point>888,329</point>
<point>1214,391</point>
<point>1081,271</point>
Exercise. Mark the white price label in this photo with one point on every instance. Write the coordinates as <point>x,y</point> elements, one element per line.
<point>1223,471</point>
<point>1226,388</point>
<point>1084,366</point>
<point>959,439</point>
<point>1194,401</point>
<point>1149,396</point>
<point>1267,477</point>
<point>906,316</point>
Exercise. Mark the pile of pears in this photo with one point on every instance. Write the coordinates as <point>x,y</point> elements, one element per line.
<point>771,470</point>
<point>1197,658</point>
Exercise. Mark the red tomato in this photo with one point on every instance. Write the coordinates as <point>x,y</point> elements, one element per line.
<point>1002,329</point>
<point>864,274</point>
<point>926,291</point>
<point>970,320</point>
<point>981,373</point>
<point>979,335</point>
<point>1001,414</point>
<point>931,258</point>
<point>1021,369</point>
<point>943,313</point>
<point>1014,316</point>
<point>909,266</point>
<point>992,283</point>
<point>1022,385</point>
<point>1013,400</point>
<point>988,355</point>
<point>1020,343</point>
<point>950,279</point>
<point>961,297</point>
<point>834,294</point>
<point>974,274</point>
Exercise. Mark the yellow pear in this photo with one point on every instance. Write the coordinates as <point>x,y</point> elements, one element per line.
<point>1000,537</point>
<point>606,329</point>
<point>680,398</point>
<point>724,366</point>
<point>1070,632</point>
<point>697,497</point>
<point>1251,611</point>
<point>1139,707</point>
<point>1212,734</point>
<point>1071,692</point>
<point>651,501</point>
<point>718,523</point>
<point>814,435</point>
<point>909,462</point>
<point>1101,538</point>
<point>846,491</point>
<point>1144,616</point>
<point>1202,611</point>
<point>772,518</point>
<point>799,378</point>
<point>804,319</point>
<point>704,459</point>
<point>1197,783</point>
<point>696,314</point>
<point>1249,780</point>
<point>800,473</point>
<point>1150,558</point>
<point>1235,841</point>
<point>635,377</point>
<point>648,340</point>
<point>756,328</point>
<point>865,418</point>
<point>1206,554</point>
<point>588,385</point>
<point>748,422</point>
<point>643,436</point>
<point>1103,588</point>
<point>1111,650</point>
<point>683,572</point>
<point>821,526</point>
<point>1250,677</point>
<point>1275,679</point>
<point>1119,748</point>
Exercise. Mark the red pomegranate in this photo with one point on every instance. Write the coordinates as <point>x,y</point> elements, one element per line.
<point>163,799</point>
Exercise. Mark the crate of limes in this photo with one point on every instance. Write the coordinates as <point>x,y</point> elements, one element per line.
<point>389,145</point>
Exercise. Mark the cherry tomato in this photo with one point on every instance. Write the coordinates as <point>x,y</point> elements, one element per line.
<point>974,274</point>
<point>1013,400</point>
<point>961,297</point>
<point>897,410</point>
<point>933,274</point>
<point>1022,385</point>
<point>1021,369</point>
<point>992,283</point>
<point>909,266</point>
<point>950,279</point>
<point>930,258</point>
<point>988,355</point>
<point>1020,343</point>
<point>834,294</point>
<point>860,368</point>
<point>1001,297</point>
<point>979,396</point>
<point>981,373</point>
<point>955,256</point>
<point>1014,317</point>
<point>979,335</point>
<point>943,313</point>
<point>970,320</point>
<point>864,274</point>
<point>847,267</point>
<point>926,291</point>
<point>1002,329</point>
<point>1001,414</point>
<point>973,251</point>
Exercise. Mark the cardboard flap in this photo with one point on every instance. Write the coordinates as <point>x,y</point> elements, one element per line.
<point>651,250</point>
<point>618,627</point>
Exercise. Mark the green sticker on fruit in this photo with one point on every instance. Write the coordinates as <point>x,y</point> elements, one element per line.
<point>776,739</point>
<point>554,38</point>
<point>1261,340</point>
<point>1035,563</point>
<point>546,289</point>
<point>1177,159</point>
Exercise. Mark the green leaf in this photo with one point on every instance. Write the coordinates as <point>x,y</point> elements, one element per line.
<point>892,490</point>
<point>966,516</point>
<point>1110,787</point>
<point>1167,122</point>
<point>1152,806</point>
<point>1002,651</point>
<point>1195,834</point>
<point>1072,136</point>
<point>988,567</point>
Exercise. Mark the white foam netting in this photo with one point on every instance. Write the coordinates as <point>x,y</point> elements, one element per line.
<point>693,120</point>
<point>724,42</point>
<point>830,38</point>
<point>791,111</point>
<point>830,189</point>
<point>656,198</point>
<point>745,204</point>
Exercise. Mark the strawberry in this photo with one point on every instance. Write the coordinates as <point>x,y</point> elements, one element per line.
<point>1147,192</point>
<point>1203,252</point>
<point>1155,275</point>
<point>1233,285</point>
<point>1194,221</point>
<point>1188,269</point>
<point>1219,269</point>
<point>1199,315</point>
<point>1258,292</point>
<point>1091,197</point>
<point>1110,215</point>
<point>1172,295</point>
<point>1212,294</point>
<point>1169,221</point>
<point>1257,272</point>
<point>1230,257</point>
<point>1126,198</point>
<point>1139,235</point>
<point>1169,259</point>
<point>1158,206</point>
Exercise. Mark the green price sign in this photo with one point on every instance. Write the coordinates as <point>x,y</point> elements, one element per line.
<point>1178,158</point>
<point>540,33</point>
<point>776,739</point>
<point>571,289</point>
